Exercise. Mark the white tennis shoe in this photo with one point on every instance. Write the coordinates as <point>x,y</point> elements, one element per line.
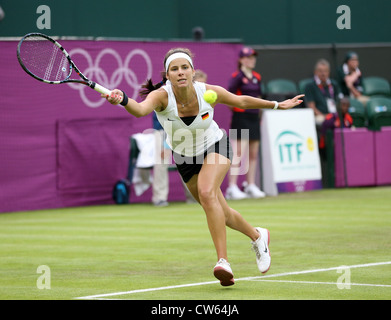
<point>261,249</point>
<point>253,191</point>
<point>223,272</point>
<point>234,193</point>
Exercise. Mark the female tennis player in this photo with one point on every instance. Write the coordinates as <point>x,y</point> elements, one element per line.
<point>201,150</point>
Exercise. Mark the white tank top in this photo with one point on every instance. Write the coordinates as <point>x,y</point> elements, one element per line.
<point>194,139</point>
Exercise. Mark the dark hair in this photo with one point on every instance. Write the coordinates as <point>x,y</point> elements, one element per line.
<point>148,86</point>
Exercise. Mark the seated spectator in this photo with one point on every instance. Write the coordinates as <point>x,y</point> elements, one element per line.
<point>350,78</point>
<point>340,119</point>
<point>322,93</point>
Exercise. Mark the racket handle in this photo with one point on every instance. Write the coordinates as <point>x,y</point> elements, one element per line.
<point>99,88</point>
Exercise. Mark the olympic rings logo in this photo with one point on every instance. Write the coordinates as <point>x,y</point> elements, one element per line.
<point>95,72</point>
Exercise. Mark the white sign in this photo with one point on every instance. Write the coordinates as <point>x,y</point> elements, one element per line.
<point>289,148</point>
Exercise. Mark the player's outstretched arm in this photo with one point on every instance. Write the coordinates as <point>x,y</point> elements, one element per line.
<point>152,102</point>
<point>247,102</point>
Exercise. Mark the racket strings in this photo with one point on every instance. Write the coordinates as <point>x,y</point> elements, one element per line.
<point>44,59</point>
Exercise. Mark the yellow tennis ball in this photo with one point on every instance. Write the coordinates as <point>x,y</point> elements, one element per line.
<point>210,96</point>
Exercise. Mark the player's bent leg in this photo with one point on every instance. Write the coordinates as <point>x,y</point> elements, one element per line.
<point>235,220</point>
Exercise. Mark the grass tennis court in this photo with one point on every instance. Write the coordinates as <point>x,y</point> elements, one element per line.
<point>142,252</point>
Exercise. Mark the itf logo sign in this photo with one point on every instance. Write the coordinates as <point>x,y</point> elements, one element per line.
<point>291,146</point>
<point>289,149</point>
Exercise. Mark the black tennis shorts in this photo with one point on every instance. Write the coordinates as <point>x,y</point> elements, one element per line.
<point>189,166</point>
<point>249,121</point>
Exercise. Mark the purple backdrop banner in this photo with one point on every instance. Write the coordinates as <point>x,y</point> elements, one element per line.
<point>356,149</point>
<point>367,157</point>
<point>62,145</point>
<point>383,156</point>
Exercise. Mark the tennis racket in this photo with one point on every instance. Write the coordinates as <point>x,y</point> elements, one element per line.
<point>46,60</point>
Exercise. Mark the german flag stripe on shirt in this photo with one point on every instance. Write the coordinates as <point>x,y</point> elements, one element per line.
<point>205,116</point>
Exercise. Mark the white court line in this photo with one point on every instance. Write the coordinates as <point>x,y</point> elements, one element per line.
<point>333,283</point>
<point>317,270</point>
<point>258,278</point>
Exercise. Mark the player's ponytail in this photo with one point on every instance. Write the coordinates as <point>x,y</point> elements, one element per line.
<point>148,86</point>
